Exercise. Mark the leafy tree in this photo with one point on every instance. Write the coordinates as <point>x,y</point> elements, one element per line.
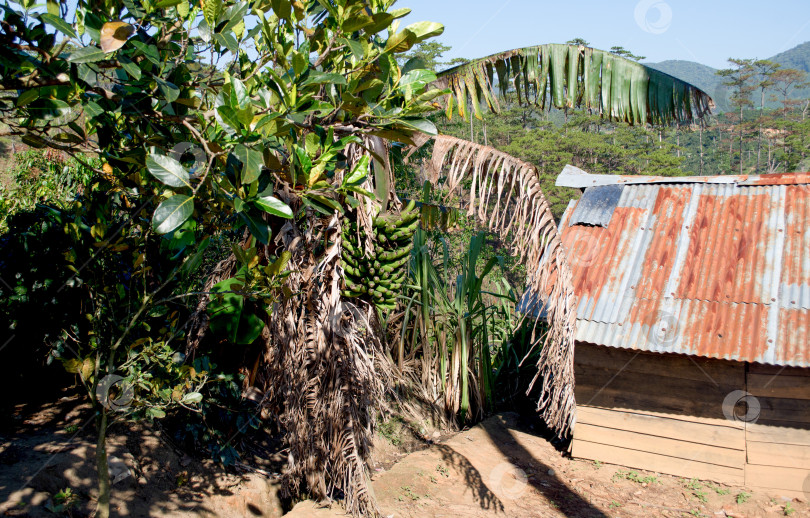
<point>196,134</point>
<point>621,51</point>
<point>764,70</point>
<point>786,81</point>
<point>739,77</point>
<point>578,41</point>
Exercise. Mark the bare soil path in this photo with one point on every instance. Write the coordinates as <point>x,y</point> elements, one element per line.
<point>496,469</point>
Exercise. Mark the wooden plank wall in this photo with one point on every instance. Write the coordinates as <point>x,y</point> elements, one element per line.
<point>779,440</point>
<point>658,412</point>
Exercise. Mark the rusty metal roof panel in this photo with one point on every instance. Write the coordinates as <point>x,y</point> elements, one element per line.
<point>720,270</point>
<point>577,178</point>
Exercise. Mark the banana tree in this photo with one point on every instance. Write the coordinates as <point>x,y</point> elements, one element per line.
<point>504,192</point>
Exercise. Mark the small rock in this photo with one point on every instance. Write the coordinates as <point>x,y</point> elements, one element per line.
<point>185,461</point>
<point>142,481</point>
<point>436,435</point>
<point>551,473</point>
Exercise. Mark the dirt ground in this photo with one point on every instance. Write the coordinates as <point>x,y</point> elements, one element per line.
<point>497,468</point>
<point>45,451</point>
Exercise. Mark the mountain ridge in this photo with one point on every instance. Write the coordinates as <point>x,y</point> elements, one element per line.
<point>705,78</point>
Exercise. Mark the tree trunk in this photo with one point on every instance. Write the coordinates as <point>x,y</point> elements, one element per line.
<point>700,133</point>
<point>741,139</point>
<point>103,510</point>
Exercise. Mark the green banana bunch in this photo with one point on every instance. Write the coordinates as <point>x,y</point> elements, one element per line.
<point>380,277</point>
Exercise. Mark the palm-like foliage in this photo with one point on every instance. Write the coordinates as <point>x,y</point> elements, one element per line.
<point>505,195</point>
<point>568,76</point>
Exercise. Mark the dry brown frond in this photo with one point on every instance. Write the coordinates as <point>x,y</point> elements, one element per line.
<point>505,195</point>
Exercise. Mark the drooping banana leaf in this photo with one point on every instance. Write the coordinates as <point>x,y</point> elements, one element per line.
<point>571,76</point>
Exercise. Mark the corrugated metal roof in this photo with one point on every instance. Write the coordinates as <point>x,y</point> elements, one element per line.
<point>596,206</point>
<point>711,267</point>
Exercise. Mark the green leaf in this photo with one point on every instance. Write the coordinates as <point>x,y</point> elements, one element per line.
<point>53,7</point>
<point>227,41</point>
<point>48,108</point>
<point>163,4</point>
<point>252,162</point>
<point>167,170</point>
<point>86,55</point>
<point>155,413</point>
<point>192,397</point>
<point>322,204</point>
<point>27,97</point>
<point>93,109</point>
<point>423,125</point>
<point>417,79</point>
<point>425,30</point>
<point>130,66</point>
<point>355,46</point>
<point>319,78</point>
<point>274,206</point>
<point>169,90</point>
<point>150,51</point>
<point>400,41</point>
<point>172,212</point>
<point>257,226</point>
<point>229,117</point>
<point>359,172</point>
<point>239,95</point>
<point>59,24</point>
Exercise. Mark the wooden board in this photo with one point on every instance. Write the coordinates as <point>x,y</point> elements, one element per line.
<point>654,444</point>
<point>657,462</point>
<point>771,385</point>
<point>785,410</point>
<point>673,365</point>
<point>720,433</point>
<point>778,455</point>
<point>767,431</point>
<point>787,479</point>
<point>758,368</point>
<point>637,391</point>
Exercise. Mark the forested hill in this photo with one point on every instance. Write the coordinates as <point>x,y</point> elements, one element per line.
<point>798,57</point>
<point>705,76</point>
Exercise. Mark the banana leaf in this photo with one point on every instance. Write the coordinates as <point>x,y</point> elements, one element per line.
<point>574,76</point>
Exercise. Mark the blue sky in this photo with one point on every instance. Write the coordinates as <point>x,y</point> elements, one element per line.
<point>707,31</point>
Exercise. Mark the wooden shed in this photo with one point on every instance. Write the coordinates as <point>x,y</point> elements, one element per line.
<point>693,325</point>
